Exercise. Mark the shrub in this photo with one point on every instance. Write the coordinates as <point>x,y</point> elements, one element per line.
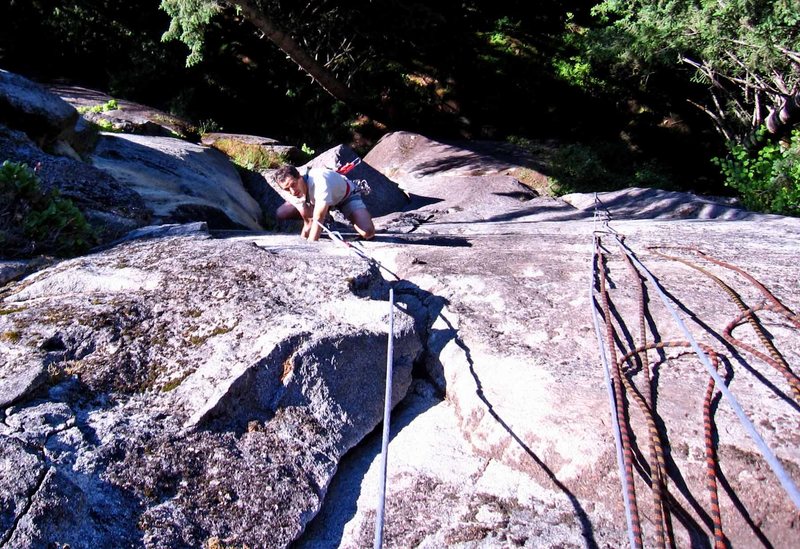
<point>110,105</point>
<point>581,167</point>
<point>33,222</point>
<point>766,175</point>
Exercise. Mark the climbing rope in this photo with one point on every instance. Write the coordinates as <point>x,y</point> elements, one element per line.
<point>612,398</point>
<point>795,319</point>
<point>337,238</point>
<point>387,416</point>
<point>624,370</point>
<point>712,465</point>
<point>627,452</point>
<point>775,359</point>
<point>646,401</point>
<point>784,479</point>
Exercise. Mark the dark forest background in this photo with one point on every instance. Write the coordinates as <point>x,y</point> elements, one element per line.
<point>624,93</point>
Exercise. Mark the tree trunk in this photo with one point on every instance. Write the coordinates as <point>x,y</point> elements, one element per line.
<point>781,120</point>
<point>296,53</point>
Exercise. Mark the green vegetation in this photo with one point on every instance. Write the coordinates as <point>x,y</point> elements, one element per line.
<point>672,84</point>
<point>173,384</point>
<point>581,167</point>
<point>306,150</point>
<point>248,155</point>
<point>34,222</point>
<point>105,125</point>
<point>738,59</point>
<point>208,125</point>
<point>189,19</point>
<point>766,174</point>
<point>110,105</point>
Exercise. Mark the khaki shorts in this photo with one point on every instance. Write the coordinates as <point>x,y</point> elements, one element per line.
<point>351,204</point>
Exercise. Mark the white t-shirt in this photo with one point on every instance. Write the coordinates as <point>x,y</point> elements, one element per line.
<point>326,186</point>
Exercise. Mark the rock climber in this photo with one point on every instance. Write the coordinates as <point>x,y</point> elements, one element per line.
<point>317,191</point>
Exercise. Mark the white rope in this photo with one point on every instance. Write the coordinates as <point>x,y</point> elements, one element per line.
<point>387,412</point>
<point>772,460</point>
<point>336,237</point>
<point>611,399</point>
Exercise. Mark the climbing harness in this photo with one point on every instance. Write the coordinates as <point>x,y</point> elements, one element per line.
<point>360,185</point>
<point>387,416</point>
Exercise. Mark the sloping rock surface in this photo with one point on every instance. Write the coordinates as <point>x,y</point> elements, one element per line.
<point>637,203</point>
<point>176,391</point>
<point>515,353</point>
<point>405,156</point>
<point>128,117</point>
<point>180,181</point>
<point>112,208</point>
<point>28,105</point>
<point>170,392</point>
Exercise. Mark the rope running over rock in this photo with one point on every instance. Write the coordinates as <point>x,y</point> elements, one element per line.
<point>624,385</point>
<point>775,359</point>
<point>783,477</point>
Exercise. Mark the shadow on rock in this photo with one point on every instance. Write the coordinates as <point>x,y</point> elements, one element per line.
<point>580,513</point>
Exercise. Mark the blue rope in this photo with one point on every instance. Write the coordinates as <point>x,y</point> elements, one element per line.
<point>387,411</point>
<point>772,460</point>
<point>612,401</point>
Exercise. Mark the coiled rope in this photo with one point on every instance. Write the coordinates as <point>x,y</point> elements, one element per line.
<point>720,540</point>
<point>646,399</point>
<point>775,359</point>
<point>786,481</point>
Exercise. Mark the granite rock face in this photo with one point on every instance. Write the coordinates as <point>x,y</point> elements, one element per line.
<point>176,390</point>
<point>110,207</point>
<point>180,181</point>
<point>512,348</point>
<point>173,390</point>
<point>29,106</point>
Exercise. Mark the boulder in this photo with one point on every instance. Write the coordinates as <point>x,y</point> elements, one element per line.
<point>30,107</point>
<point>251,151</point>
<point>385,196</point>
<point>179,181</point>
<point>213,137</point>
<point>127,117</point>
<point>110,207</point>
<point>261,185</point>
<point>195,391</point>
<point>405,156</point>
